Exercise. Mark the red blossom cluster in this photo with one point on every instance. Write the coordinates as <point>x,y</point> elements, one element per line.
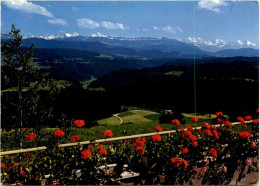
<point>178,161</point>
<point>240,119</point>
<point>253,145</point>
<point>30,136</point>
<point>107,133</point>
<point>128,140</point>
<point>158,128</point>
<point>213,152</point>
<point>140,150</point>
<point>190,128</point>
<point>2,165</point>
<point>220,120</point>
<point>219,114</point>
<point>85,154</point>
<point>192,138</point>
<point>74,138</point>
<point>139,142</point>
<point>244,135</point>
<point>14,166</point>
<point>185,150</point>
<point>90,147</point>
<point>176,122</point>
<point>205,125</point>
<point>195,119</point>
<point>156,137</point>
<point>247,118</point>
<point>102,150</point>
<point>58,133</point>
<point>227,123</point>
<point>255,121</point>
<point>209,130</point>
<point>79,123</point>
<point>22,172</point>
<point>216,134</point>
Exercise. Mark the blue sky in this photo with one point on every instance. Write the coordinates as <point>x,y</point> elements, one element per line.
<point>215,19</point>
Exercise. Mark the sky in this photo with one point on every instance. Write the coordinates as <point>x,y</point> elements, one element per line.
<point>208,19</point>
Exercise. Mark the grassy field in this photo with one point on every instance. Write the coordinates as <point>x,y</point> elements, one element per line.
<point>133,122</point>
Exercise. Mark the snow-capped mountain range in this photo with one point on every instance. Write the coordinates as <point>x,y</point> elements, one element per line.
<point>183,46</point>
<point>220,44</point>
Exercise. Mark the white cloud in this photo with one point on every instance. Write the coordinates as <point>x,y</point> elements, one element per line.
<point>212,5</point>
<point>57,21</point>
<point>240,42</point>
<point>87,23</point>
<point>27,7</point>
<point>113,26</point>
<point>169,29</point>
<point>179,29</point>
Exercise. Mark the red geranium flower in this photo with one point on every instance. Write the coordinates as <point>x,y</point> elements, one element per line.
<point>213,152</point>
<point>205,125</point>
<point>244,135</point>
<point>216,134</point>
<point>2,165</point>
<point>195,143</point>
<point>140,142</point>
<point>79,123</point>
<point>185,164</point>
<point>195,119</point>
<point>257,110</point>
<point>190,128</point>
<point>107,133</point>
<point>208,132</point>
<point>255,121</point>
<point>213,127</point>
<point>176,122</point>
<point>185,150</point>
<point>158,128</point>
<point>140,150</point>
<point>176,161</point>
<point>247,118</point>
<point>58,133</point>
<point>227,123</point>
<point>85,154</point>
<point>30,136</point>
<point>241,120</point>
<point>90,147</point>
<point>22,172</point>
<point>220,120</point>
<point>14,166</point>
<point>74,138</point>
<point>244,125</point>
<point>193,137</point>
<point>253,145</point>
<point>156,137</point>
<point>128,140</point>
<point>102,150</point>
<point>219,113</point>
<point>186,133</point>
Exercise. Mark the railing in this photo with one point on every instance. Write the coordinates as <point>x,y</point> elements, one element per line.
<point>101,140</point>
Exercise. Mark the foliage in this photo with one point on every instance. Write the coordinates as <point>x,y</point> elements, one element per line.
<point>176,155</point>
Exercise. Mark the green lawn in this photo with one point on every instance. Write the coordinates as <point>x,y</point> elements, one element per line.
<point>109,121</point>
<point>134,122</point>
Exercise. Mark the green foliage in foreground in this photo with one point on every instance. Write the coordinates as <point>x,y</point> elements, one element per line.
<point>164,156</point>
